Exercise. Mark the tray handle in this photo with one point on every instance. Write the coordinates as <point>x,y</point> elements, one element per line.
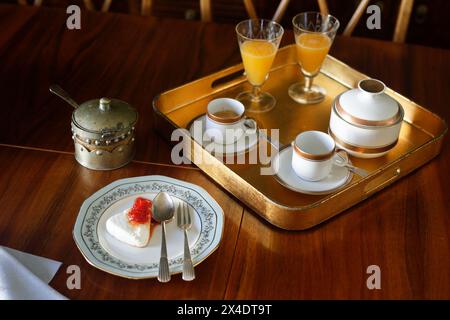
<point>380,182</point>
<point>227,78</point>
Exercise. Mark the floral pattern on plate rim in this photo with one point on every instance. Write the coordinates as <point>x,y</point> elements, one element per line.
<point>95,210</point>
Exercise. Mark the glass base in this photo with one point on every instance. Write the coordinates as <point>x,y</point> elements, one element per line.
<point>263,103</point>
<point>298,93</point>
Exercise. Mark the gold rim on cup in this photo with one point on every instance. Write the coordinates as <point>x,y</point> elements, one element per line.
<point>314,157</point>
<point>229,120</point>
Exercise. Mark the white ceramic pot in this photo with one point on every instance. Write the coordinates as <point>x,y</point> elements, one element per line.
<point>366,122</point>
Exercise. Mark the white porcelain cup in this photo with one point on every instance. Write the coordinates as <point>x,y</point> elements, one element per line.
<point>312,155</point>
<point>222,127</point>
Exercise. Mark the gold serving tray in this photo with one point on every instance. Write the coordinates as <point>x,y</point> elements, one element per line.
<point>420,139</point>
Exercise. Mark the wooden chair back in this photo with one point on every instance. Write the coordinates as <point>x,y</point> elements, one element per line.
<point>146,7</point>
<point>205,9</point>
<point>401,26</point>
<point>35,2</point>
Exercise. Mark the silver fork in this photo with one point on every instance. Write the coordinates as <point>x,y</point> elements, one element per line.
<point>184,223</point>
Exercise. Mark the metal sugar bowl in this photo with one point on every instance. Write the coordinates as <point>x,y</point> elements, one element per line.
<point>103,131</point>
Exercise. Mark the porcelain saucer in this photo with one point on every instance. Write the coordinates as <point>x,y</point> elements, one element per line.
<point>339,176</point>
<point>245,142</point>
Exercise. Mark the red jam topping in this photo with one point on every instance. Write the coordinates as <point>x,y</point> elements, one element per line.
<point>141,212</point>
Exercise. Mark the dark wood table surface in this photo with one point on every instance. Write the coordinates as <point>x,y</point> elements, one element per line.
<point>405,229</point>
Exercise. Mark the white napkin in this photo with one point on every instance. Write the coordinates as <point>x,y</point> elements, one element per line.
<point>25,276</point>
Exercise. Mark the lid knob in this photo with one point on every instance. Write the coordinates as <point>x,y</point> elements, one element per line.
<point>105,104</point>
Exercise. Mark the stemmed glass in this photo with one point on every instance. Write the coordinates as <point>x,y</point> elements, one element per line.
<point>258,42</point>
<point>314,34</point>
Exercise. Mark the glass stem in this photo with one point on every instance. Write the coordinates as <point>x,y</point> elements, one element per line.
<point>308,83</point>
<point>256,92</point>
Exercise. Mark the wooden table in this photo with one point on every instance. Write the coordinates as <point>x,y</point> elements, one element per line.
<point>405,229</point>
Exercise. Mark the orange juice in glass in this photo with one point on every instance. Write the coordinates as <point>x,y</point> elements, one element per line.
<point>257,57</point>
<point>258,42</point>
<point>314,34</point>
<point>312,49</point>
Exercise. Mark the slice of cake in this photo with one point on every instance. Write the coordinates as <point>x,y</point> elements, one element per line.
<point>133,225</point>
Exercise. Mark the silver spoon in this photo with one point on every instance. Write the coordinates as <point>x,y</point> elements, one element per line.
<point>342,161</point>
<point>60,92</point>
<point>163,209</point>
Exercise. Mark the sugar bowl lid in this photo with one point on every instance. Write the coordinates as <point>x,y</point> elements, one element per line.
<point>105,115</point>
<point>369,105</point>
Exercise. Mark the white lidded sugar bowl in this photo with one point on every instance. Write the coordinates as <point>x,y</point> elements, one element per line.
<point>365,121</point>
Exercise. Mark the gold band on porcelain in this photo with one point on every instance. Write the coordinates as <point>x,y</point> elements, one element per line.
<point>314,157</point>
<point>362,149</point>
<point>224,120</point>
<point>370,123</point>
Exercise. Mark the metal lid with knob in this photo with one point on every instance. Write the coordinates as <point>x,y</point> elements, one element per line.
<point>105,115</point>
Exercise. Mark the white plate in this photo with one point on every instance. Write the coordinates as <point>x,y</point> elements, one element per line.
<point>338,177</point>
<point>247,141</point>
<point>111,255</point>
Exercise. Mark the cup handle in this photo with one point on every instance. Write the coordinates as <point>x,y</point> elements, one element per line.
<point>342,152</point>
<point>251,125</point>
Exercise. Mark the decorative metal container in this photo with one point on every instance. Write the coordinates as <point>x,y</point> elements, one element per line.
<point>103,133</point>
